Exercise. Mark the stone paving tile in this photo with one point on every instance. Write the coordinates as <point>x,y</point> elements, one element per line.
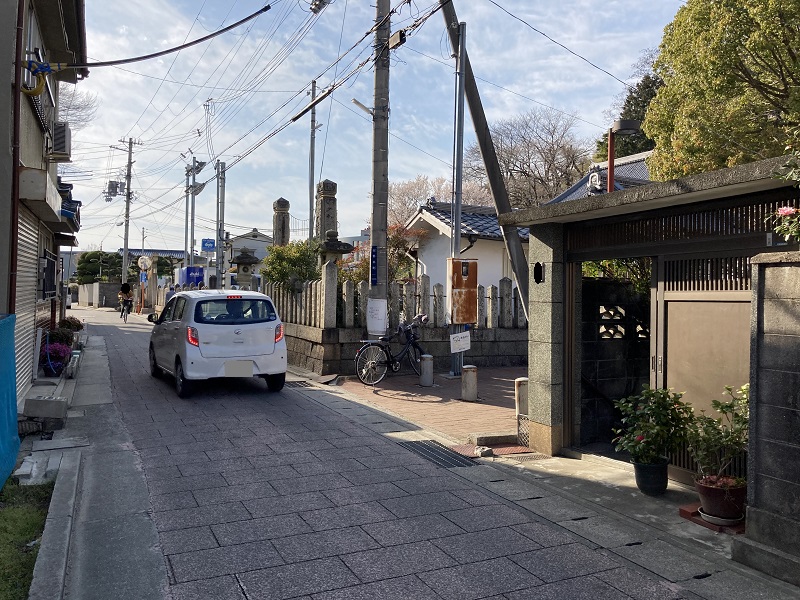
<point>248,491</point>
<point>173,501</point>
<point>557,509</point>
<point>197,447</point>
<point>483,545</point>
<point>639,587</point>
<point>545,534</point>
<point>365,476</point>
<point>396,561</point>
<point>348,442</point>
<point>299,485</point>
<point>218,588</point>
<point>204,515</point>
<point>153,451</point>
<point>580,588</point>
<point>202,564</point>
<point>274,460</point>
<point>316,446</point>
<point>205,436</point>
<point>253,530</point>
<point>379,461</point>
<point>215,466</point>
<point>298,548</point>
<point>182,484</point>
<point>668,561</point>
<point>291,581</point>
<point>329,466</point>
<point>187,540</point>
<point>154,439</point>
<point>266,507</point>
<point>563,562</point>
<point>168,460</point>
<point>412,529</point>
<point>346,516</point>
<point>607,532</point>
<point>306,436</point>
<point>424,504</point>
<point>156,473</point>
<point>475,497</point>
<point>438,483</point>
<point>364,493</point>
<point>729,585</point>
<point>360,452</point>
<point>486,517</point>
<point>407,588</point>
<point>516,489</point>
<point>479,580</point>
<point>420,466</point>
<point>255,475</point>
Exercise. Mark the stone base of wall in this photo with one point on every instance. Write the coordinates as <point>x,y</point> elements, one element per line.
<point>332,351</point>
<point>770,545</point>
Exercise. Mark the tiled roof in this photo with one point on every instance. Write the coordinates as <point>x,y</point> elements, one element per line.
<point>476,220</point>
<point>149,252</point>
<point>629,171</point>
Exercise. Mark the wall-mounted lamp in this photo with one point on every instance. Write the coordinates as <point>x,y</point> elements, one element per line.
<point>620,127</point>
<point>471,238</point>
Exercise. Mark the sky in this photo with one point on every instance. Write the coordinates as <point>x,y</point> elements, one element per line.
<point>232,99</point>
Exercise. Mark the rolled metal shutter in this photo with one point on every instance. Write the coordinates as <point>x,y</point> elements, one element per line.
<point>27,281</point>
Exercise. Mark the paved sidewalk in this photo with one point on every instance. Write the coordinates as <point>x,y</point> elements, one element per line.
<point>314,493</point>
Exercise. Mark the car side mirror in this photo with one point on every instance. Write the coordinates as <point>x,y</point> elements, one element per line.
<point>152,317</point>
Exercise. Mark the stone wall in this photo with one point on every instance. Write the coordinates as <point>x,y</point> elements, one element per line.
<point>772,540</point>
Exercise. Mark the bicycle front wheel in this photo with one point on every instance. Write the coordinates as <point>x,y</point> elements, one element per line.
<point>125,313</point>
<point>415,358</point>
<point>371,364</point>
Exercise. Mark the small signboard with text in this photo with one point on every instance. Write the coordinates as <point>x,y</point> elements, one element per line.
<point>459,342</point>
<point>208,245</point>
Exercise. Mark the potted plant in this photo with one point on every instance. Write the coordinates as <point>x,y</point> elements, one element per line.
<point>653,424</point>
<point>53,357</point>
<point>714,442</point>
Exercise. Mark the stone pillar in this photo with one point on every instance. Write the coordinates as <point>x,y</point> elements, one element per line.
<point>426,370</point>
<point>329,295</point>
<point>325,217</point>
<point>545,340</point>
<point>424,303</point>
<point>280,222</point>
<point>772,539</point>
<point>469,383</point>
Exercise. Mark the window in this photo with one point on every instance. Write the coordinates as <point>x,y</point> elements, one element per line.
<point>180,305</point>
<point>242,311</point>
<point>48,273</point>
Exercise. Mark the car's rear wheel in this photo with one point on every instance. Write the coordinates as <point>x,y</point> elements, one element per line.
<point>276,382</point>
<point>182,385</point>
<point>155,370</point>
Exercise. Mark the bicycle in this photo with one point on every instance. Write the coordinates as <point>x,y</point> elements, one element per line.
<point>375,357</point>
<point>125,307</point>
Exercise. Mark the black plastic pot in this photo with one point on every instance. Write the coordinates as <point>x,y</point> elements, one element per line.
<point>651,479</point>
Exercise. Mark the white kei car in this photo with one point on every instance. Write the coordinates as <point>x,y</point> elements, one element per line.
<point>217,333</point>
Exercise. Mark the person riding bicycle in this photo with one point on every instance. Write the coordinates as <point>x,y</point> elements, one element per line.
<point>125,296</point>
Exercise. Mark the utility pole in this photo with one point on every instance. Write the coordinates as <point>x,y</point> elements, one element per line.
<point>497,185</point>
<point>191,223</point>
<point>220,222</point>
<point>186,224</point>
<point>457,361</point>
<point>192,192</point>
<point>311,161</point>
<point>142,241</point>
<point>124,274</point>
<point>379,271</point>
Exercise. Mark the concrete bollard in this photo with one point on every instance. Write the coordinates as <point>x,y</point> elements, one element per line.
<point>426,370</point>
<point>521,395</point>
<point>469,383</point>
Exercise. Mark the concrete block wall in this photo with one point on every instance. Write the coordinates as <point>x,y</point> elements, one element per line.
<point>772,539</point>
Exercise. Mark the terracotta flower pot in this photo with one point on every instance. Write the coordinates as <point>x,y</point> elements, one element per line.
<point>724,501</point>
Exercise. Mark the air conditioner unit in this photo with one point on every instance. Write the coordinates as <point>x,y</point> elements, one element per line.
<point>62,143</point>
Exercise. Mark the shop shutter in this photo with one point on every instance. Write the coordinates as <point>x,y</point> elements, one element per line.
<point>27,280</point>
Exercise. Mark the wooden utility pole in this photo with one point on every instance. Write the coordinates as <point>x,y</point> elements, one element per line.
<point>311,161</point>
<point>519,263</point>
<point>124,274</point>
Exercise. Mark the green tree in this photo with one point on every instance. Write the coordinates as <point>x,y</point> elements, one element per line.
<point>296,261</point>
<point>731,90</point>
<point>634,107</point>
<point>97,265</point>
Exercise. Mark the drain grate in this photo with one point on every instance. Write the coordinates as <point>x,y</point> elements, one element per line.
<point>298,384</point>
<point>527,457</point>
<point>437,453</point>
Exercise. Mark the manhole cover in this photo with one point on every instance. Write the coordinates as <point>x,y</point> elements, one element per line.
<point>437,453</point>
<point>297,384</point>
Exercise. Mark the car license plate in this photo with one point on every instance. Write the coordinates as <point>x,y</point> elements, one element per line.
<point>238,368</point>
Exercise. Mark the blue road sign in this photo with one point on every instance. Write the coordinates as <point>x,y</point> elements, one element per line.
<point>373,265</point>
<point>208,245</point>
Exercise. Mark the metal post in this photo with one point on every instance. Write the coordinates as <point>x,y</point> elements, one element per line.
<point>124,275</point>
<point>191,217</point>
<point>611,152</point>
<point>186,223</point>
<point>458,162</point>
<point>380,153</point>
<point>311,161</point>
<point>220,222</point>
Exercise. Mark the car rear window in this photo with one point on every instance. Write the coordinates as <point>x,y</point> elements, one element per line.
<point>241,311</point>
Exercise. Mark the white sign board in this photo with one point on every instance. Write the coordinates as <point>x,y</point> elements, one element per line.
<point>377,316</point>
<point>459,342</point>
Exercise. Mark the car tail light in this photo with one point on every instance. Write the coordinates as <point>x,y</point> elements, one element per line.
<point>278,333</point>
<point>192,337</point>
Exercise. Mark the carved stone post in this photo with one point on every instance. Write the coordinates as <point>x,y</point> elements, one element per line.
<point>280,222</point>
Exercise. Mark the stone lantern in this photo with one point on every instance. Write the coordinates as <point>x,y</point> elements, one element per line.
<point>245,267</point>
<point>332,248</point>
